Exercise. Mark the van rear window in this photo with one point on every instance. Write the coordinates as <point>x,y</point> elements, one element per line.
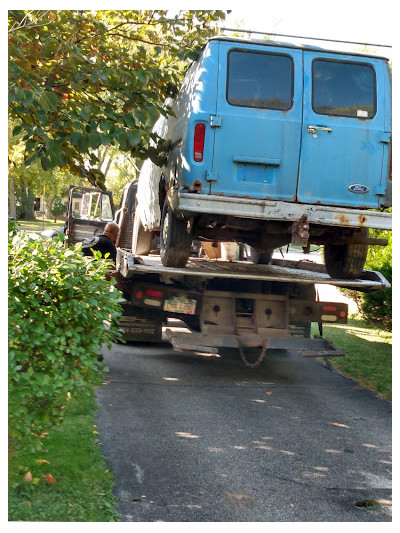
<point>256,79</point>
<point>344,89</point>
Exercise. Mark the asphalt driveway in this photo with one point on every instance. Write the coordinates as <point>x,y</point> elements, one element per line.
<point>194,438</point>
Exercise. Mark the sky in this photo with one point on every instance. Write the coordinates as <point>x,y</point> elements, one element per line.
<point>351,20</point>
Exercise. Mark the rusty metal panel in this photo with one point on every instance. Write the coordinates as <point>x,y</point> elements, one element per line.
<point>190,203</point>
<point>317,347</point>
<point>271,313</point>
<point>218,313</point>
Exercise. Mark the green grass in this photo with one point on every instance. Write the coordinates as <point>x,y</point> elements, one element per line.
<point>368,358</point>
<point>82,488</point>
<point>37,224</point>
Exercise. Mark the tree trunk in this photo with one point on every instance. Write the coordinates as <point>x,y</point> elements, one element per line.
<point>48,204</point>
<point>12,208</point>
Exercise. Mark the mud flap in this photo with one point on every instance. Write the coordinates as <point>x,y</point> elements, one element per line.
<point>141,325</point>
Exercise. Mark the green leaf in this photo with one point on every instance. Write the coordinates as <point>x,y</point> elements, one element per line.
<point>94,140</point>
<point>45,162</point>
<point>83,143</point>
<point>31,158</point>
<point>129,121</point>
<point>17,130</point>
<point>104,74</point>
<point>141,116</point>
<point>122,140</point>
<point>134,137</point>
<point>27,98</point>
<point>142,76</point>
<point>56,153</point>
<point>84,114</point>
<point>74,138</point>
<point>106,125</point>
<point>48,101</point>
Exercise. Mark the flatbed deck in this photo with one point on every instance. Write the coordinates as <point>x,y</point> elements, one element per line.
<point>281,270</point>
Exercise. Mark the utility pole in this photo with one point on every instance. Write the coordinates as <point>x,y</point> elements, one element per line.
<point>44,190</point>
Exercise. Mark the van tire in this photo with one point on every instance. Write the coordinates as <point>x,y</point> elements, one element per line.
<point>346,260</point>
<point>175,239</point>
<point>261,258</point>
<point>141,239</point>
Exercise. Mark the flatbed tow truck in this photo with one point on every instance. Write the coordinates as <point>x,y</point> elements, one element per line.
<point>226,305</point>
<point>234,304</point>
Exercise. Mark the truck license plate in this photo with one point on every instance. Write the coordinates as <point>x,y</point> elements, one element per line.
<point>180,305</point>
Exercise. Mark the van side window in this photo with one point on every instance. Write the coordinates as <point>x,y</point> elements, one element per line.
<point>344,89</point>
<point>256,79</point>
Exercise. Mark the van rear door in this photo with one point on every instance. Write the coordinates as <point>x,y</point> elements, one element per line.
<point>343,133</point>
<point>88,211</point>
<point>257,127</point>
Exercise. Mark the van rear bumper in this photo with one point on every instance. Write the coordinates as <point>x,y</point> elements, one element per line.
<point>190,204</point>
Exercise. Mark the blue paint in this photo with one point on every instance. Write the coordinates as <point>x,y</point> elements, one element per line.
<point>258,102</point>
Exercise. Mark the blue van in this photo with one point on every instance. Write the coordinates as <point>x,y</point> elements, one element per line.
<point>272,144</point>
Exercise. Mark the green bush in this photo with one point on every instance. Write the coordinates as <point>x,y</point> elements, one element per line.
<point>376,307</point>
<point>12,226</point>
<point>60,309</point>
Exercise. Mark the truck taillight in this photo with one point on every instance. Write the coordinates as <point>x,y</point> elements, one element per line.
<point>198,143</point>
<point>154,294</point>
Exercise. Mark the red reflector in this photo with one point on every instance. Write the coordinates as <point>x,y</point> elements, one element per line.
<point>342,314</point>
<point>329,308</point>
<point>139,295</point>
<point>154,294</point>
<point>198,143</point>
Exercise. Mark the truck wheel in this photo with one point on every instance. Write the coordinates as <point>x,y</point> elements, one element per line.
<point>261,258</point>
<point>141,239</point>
<point>346,260</point>
<point>175,238</point>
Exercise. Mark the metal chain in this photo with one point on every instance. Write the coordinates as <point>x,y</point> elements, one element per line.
<point>259,360</point>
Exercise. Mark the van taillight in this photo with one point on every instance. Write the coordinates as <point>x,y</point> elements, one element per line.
<point>198,144</point>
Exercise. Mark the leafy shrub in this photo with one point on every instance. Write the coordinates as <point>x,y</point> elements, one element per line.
<point>58,303</point>
<point>377,306</point>
<point>12,226</point>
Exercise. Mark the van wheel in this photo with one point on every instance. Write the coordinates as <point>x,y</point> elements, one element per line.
<point>141,239</point>
<point>175,238</point>
<point>261,258</point>
<point>346,260</point>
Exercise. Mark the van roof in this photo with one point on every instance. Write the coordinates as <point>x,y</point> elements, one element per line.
<point>291,45</point>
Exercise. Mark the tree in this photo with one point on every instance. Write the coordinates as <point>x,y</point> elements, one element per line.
<point>79,80</point>
<point>27,183</point>
<point>58,208</point>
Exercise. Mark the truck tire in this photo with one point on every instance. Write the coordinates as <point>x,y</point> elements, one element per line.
<point>175,238</point>
<point>261,258</point>
<point>141,239</point>
<point>346,260</point>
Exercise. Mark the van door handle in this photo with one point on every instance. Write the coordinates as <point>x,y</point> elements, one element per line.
<point>313,129</point>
